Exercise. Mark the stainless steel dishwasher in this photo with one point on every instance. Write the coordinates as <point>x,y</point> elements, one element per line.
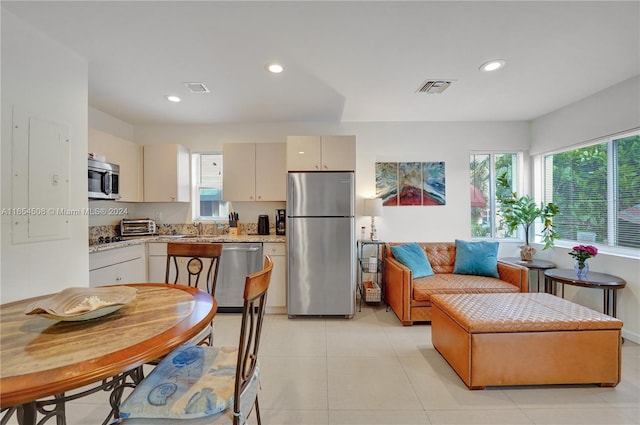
<point>237,261</point>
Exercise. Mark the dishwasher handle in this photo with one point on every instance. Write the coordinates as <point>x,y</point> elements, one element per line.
<point>251,249</point>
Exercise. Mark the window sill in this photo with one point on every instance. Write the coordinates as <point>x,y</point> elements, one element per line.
<point>622,252</point>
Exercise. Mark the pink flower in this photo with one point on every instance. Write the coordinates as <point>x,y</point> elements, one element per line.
<point>592,250</point>
<point>582,252</point>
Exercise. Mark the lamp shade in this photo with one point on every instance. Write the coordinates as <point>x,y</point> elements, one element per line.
<point>373,207</point>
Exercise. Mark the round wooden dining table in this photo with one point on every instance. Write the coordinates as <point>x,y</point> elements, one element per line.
<point>40,357</point>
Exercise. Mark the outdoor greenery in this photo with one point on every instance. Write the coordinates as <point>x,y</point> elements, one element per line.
<point>482,219</point>
<point>480,223</point>
<point>581,186</point>
<point>596,190</point>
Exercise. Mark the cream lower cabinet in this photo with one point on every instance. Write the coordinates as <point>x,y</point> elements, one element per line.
<point>166,173</point>
<point>119,265</point>
<point>157,264</point>
<point>321,153</point>
<point>157,261</point>
<point>277,295</point>
<point>254,172</point>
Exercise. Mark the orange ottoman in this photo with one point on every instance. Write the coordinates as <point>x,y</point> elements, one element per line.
<point>525,339</point>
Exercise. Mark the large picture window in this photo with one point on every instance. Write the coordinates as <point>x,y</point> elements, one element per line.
<point>597,188</point>
<point>207,178</point>
<point>485,214</point>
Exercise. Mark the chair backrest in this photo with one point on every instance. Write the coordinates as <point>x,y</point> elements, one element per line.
<point>195,253</point>
<point>255,298</point>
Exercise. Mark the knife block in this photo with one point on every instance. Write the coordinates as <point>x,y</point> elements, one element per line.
<point>235,231</point>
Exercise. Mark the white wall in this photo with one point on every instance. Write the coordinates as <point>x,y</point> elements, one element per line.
<point>48,81</point>
<point>437,141</point>
<point>607,112</point>
<point>110,124</point>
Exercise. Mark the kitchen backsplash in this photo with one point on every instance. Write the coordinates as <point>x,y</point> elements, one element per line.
<point>109,231</point>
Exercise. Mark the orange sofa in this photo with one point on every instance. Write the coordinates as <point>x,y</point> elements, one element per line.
<point>410,299</point>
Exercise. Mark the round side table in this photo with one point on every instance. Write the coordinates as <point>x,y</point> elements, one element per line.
<point>608,283</point>
<point>533,264</point>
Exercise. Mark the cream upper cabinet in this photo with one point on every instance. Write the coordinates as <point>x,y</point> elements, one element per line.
<point>166,173</point>
<point>254,172</point>
<point>304,153</point>
<point>339,153</point>
<point>127,155</point>
<point>271,172</point>
<point>321,153</point>
<point>239,172</point>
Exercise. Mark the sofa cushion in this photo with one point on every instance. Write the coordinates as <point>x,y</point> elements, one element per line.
<point>413,256</point>
<point>443,283</point>
<point>476,258</point>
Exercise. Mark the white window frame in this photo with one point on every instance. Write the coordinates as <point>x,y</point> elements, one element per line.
<point>195,189</point>
<point>519,180</point>
<point>539,186</point>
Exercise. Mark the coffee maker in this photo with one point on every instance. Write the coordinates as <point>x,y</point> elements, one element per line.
<point>280,222</point>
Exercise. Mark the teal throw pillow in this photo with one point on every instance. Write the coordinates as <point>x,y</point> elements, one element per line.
<point>413,256</point>
<point>476,258</point>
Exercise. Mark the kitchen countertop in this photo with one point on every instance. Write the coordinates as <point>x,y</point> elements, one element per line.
<point>187,239</point>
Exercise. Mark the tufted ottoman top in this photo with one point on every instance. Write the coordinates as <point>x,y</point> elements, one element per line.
<point>520,312</point>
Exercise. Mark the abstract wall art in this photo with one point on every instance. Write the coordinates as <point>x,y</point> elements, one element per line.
<point>387,182</point>
<point>410,183</point>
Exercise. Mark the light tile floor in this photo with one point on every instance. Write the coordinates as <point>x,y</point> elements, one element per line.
<point>372,371</point>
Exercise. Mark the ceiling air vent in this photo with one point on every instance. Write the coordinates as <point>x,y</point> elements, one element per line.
<point>196,87</point>
<point>434,86</point>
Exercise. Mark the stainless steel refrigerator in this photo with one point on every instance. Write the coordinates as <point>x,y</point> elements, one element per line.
<point>321,244</point>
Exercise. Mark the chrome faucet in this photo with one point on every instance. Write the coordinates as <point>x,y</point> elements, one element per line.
<point>198,226</point>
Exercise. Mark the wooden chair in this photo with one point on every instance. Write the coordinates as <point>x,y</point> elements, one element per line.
<point>191,374</point>
<point>194,254</point>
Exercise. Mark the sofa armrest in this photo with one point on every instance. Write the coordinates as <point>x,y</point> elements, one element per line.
<point>514,274</point>
<point>398,283</point>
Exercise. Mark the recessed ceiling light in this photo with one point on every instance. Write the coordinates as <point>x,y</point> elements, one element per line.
<point>492,65</point>
<point>174,99</point>
<point>274,68</point>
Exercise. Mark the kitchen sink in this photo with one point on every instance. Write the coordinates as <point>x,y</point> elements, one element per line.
<point>202,237</point>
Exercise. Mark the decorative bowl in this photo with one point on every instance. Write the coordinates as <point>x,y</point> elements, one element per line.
<point>76,304</point>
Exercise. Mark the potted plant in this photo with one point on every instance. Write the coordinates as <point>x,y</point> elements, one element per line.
<point>523,211</point>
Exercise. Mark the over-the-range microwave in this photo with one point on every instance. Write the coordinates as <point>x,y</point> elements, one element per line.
<point>104,180</point>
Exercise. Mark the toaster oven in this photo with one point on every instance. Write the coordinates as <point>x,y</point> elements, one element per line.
<point>139,227</point>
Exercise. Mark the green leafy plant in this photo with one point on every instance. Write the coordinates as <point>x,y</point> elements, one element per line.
<point>523,211</point>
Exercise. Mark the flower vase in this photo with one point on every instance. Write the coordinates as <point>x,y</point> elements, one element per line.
<point>581,268</point>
